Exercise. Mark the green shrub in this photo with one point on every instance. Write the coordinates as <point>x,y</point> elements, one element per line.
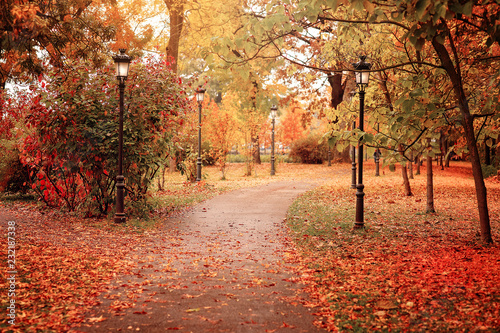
<point>236,158</point>
<point>309,150</point>
<point>14,175</point>
<point>489,170</point>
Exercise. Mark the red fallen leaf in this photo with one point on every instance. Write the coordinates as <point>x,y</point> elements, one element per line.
<point>386,304</point>
<point>310,304</point>
<point>286,325</point>
<point>140,312</point>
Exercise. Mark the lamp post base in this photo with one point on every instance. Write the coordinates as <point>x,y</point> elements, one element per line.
<point>120,211</point>
<point>120,218</point>
<point>198,170</point>
<point>360,221</point>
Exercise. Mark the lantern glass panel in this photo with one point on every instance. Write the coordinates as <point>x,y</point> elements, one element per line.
<point>122,68</point>
<point>200,95</point>
<point>362,78</point>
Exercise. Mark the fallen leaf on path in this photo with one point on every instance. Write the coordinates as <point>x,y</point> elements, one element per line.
<point>96,319</point>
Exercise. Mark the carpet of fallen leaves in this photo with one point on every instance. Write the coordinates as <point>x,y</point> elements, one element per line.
<point>64,262</point>
<point>407,270</point>
<point>62,265</point>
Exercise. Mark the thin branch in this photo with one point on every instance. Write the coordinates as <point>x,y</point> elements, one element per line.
<point>365,22</point>
<point>487,58</point>
<point>474,116</point>
<point>416,140</point>
<point>482,126</point>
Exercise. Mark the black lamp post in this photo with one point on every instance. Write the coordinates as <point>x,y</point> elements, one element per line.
<point>122,62</point>
<point>362,77</point>
<point>200,94</point>
<point>353,168</point>
<point>274,113</point>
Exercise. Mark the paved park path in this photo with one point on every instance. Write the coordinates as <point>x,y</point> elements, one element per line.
<point>218,268</point>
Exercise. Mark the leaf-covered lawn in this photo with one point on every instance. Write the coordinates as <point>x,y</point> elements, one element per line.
<point>62,265</point>
<point>407,271</point>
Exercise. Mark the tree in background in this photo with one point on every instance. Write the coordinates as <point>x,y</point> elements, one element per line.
<point>220,128</point>
<point>291,124</point>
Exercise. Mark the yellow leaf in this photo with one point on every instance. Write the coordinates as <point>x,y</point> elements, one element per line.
<point>96,319</point>
<point>193,310</point>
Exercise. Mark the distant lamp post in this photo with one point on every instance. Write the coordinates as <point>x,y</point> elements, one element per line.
<point>377,162</point>
<point>362,76</point>
<point>274,114</point>
<point>122,62</point>
<point>200,95</point>
<point>353,168</point>
<point>377,157</point>
<point>353,151</point>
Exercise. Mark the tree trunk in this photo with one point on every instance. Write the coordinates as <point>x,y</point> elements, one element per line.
<point>468,124</point>
<point>161,178</point>
<point>254,130</point>
<point>417,162</point>
<point>176,15</point>
<point>448,154</point>
<point>406,181</point>
<point>494,149</point>
<point>430,187</point>
<point>338,88</point>
<point>411,165</point>
<point>487,155</point>
<point>404,173</point>
<point>441,148</point>
<point>256,152</point>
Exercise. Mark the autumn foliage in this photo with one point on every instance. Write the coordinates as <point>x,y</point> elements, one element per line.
<point>72,142</point>
<point>220,130</point>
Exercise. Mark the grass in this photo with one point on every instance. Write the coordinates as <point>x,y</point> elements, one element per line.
<point>17,197</point>
<point>406,270</point>
<point>265,158</point>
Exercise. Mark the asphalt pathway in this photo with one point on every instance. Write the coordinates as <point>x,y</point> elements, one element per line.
<point>218,268</point>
